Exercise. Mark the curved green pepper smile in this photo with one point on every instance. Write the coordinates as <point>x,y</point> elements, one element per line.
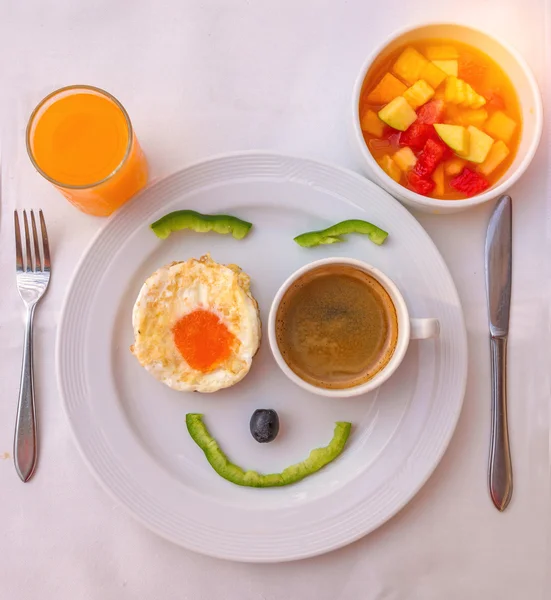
<point>317,459</point>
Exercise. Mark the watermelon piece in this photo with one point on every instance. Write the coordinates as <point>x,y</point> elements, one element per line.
<point>419,184</point>
<point>471,71</point>
<point>432,112</point>
<point>416,136</point>
<point>495,101</point>
<point>431,156</point>
<point>469,183</point>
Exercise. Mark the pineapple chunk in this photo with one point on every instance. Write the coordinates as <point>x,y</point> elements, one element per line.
<point>500,126</point>
<point>471,97</point>
<point>496,156</point>
<point>433,75</point>
<point>454,166</point>
<point>409,65</point>
<point>405,158</point>
<point>418,94</point>
<point>455,136</point>
<point>459,92</point>
<point>398,114</point>
<point>450,67</point>
<point>466,116</point>
<point>475,100</point>
<point>455,91</point>
<point>438,178</point>
<point>443,52</point>
<point>371,123</point>
<point>479,145</point>
<point>391,168</point>
<point>386,90</point>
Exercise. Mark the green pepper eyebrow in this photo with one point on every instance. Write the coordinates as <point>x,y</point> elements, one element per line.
<point>332,235</point>
<point>190,219</point>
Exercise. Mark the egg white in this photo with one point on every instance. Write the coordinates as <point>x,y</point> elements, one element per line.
<point>178,289</point>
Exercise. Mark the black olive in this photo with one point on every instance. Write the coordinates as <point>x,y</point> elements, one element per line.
<point>264,425</point>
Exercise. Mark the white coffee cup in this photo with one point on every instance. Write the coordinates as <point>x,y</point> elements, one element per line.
<point>408,329</point>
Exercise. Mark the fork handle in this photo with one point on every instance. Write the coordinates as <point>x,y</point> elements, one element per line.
<point>25,443</point>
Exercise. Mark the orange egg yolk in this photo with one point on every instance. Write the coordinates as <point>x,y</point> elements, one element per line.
<point>203,340</point>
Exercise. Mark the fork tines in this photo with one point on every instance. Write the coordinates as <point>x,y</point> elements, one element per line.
<point>33,259</point>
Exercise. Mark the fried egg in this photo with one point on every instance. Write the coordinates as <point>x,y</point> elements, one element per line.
<point>196,325</point>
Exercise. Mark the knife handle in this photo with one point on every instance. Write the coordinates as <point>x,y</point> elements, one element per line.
<point>500,473</point>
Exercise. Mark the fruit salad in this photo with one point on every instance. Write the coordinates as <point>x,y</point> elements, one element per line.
<point>441,118</point>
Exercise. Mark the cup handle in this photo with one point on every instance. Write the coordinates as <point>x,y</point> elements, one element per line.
<point>422,329</point>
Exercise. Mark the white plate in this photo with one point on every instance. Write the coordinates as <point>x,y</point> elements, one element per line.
<point>131,428</point>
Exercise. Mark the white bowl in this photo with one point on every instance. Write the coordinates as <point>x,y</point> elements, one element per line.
<point>526,88</point>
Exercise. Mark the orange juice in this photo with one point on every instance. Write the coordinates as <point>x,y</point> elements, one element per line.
<point>80,138</point>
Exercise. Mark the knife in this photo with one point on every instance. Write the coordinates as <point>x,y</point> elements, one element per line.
<point>498,254</point>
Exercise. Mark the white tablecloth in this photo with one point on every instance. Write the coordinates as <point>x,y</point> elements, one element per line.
<point>205,77</point>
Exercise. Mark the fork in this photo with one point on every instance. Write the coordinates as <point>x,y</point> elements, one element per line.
<point>33,276</point>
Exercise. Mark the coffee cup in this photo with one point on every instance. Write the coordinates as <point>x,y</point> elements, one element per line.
<point>326,301</point>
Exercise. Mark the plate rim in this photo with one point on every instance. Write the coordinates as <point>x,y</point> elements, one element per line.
<point>291,555</point>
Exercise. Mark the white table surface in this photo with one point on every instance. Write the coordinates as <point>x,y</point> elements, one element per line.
<point>205,77</point>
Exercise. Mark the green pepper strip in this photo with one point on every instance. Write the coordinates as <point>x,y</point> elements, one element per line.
<point>317,459</point>
<point>331,235</point>
<point>189,219</point>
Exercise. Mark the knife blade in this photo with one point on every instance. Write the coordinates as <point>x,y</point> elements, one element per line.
<point>498,262</point>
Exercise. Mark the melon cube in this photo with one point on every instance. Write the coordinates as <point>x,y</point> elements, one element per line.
<point>391,168</point>
<point>438,178</point>
<point>474,117</point>
<point>371,123</point>
<point>455,136</point>
<point>386,90</point>
<point>418,94</point>
<point>433,75</point>
<point>409,65</point>
<point>449,67</point>
<point>442,52</point>
<point>498,153</point>
<point>466,116</point>
<point>398,114</point>
<point>454,166</point>
<point>500,126</point>
<point>405,158</point>
<point>479,145</point>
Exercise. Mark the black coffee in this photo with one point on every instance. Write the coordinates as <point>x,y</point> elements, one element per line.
<point>336,327</point>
